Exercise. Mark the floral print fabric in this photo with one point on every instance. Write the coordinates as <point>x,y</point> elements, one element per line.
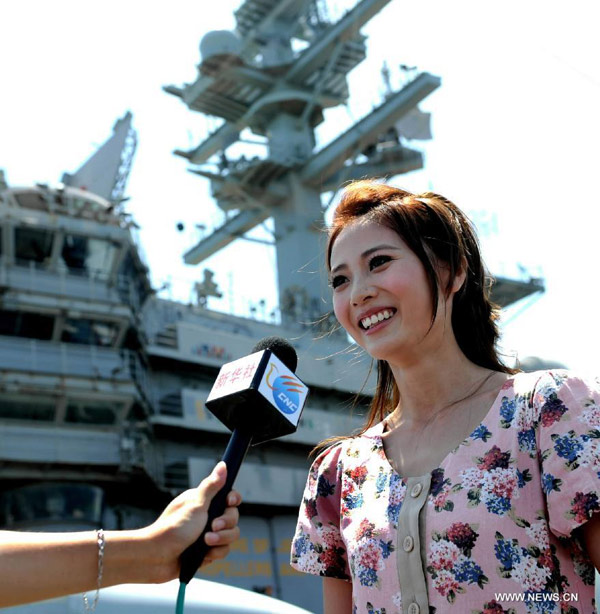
<point>499,516</point>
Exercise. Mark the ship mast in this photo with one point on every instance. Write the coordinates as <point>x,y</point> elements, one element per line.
<point>106,172</point>
<point>256,79</point>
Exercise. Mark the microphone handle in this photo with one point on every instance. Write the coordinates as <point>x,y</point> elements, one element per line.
<point>193,555</point>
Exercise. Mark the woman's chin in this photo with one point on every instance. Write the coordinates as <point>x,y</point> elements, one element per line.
<point>381,351</point>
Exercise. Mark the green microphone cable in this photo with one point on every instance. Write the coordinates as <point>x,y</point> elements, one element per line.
<point>180,598</point>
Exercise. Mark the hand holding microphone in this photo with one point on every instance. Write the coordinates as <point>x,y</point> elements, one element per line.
<point>259,398</point>
<point>36,566</point>
<point>179,524</point>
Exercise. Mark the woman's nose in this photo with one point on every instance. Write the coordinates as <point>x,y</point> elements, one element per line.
<point>361,291</point>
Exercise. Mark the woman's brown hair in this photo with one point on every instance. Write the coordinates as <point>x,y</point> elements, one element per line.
<point>437,231</point>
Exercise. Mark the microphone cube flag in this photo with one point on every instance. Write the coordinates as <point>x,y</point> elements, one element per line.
<point>258,394</point>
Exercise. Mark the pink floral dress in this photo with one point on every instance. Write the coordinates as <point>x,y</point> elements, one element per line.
<point>487,532</point>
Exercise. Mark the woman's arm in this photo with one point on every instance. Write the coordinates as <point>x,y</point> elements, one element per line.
<point>590,534</point>
<point>37,566</point>
<point>337,596</point>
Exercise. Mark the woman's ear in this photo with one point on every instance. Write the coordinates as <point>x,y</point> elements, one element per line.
<point>460,277</point>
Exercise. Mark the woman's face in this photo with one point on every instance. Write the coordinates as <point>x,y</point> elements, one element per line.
<point>381,293</point>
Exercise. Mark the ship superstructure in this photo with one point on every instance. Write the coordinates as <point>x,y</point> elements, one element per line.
<point>103,383</point>
<point>275,77</point>
<point>73,382</point>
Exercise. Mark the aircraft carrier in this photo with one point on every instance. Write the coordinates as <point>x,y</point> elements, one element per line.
<point>103,383</point>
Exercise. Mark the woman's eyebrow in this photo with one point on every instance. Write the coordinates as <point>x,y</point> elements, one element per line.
<point>366,254</point>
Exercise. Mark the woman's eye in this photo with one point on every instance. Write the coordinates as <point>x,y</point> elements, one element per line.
<point>378,261</point>
<point>336,281</point>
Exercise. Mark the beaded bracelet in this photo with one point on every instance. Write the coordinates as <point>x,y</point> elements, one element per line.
<point>101,543</point>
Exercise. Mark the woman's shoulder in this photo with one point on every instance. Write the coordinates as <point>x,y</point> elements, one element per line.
<point>529,399</point>
<point>545,396</point>
<point>546,382</point>
<point>350,449</point>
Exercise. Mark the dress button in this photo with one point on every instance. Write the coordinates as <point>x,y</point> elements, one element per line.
<point>414,608</point>
<point>408,544</point>
<point>415,492</point>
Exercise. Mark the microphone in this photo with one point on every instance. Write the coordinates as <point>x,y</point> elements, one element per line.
<point>258,398</point>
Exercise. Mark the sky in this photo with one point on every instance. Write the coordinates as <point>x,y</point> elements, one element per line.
<point>515,126</point>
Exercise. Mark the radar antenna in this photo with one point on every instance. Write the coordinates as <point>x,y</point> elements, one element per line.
<point>259,78</point>
<point>106,172</point>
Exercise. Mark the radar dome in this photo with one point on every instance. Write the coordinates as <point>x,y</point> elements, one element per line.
<point>218,49</point>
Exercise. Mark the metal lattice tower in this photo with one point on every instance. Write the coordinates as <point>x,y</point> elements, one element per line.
<point>106,172</point>
<point>274,75</point>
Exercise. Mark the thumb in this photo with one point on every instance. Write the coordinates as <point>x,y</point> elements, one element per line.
<point>211,485</point>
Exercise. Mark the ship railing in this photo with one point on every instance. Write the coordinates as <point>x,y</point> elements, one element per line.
<point>137,451</point>
<point>70,360</point>
<point>136,239</point>
<point>139,375</point>
<point>90,285</point>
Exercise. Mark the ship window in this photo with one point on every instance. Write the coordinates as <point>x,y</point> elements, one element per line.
<point>33,245</point>
<point>177,476</point>
<point>23,408</point>
<point>74,253</point>
<point>91,412</point>
<point>24,324</point>
<point>87,256</point>
<point>171,405</point>
<point>57,503</point>
<point>132,281</point>
<point>89,332</point>
<point>31,200</point>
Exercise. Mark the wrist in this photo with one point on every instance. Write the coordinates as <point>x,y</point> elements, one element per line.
<point>135,557</point>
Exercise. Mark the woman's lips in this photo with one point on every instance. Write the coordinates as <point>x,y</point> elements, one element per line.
<point>375,318</point>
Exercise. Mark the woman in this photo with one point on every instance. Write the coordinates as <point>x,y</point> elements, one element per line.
<point>37,566</point>
<point>469,479</point>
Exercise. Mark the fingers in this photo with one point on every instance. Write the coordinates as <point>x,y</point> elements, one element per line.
<point>211,485</point>
<point>222,538</point>
<point>224,528</point>
<point>215,554</point>
<point>234,498</point>
<point>228,520</point>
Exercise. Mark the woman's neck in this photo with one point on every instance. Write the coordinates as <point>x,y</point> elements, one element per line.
<point>434,382</point>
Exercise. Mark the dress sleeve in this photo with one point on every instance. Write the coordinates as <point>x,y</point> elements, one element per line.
<point>569,446</point>
<point>318,547</point>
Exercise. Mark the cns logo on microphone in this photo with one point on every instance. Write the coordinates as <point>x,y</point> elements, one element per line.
<point>286,390</point>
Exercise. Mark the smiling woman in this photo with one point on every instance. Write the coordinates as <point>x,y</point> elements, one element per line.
<point>433,244</point>
<point>471,485</point>
<point>380,285</point>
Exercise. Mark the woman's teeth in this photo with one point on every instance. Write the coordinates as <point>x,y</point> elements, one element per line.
<point>375,318</point>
